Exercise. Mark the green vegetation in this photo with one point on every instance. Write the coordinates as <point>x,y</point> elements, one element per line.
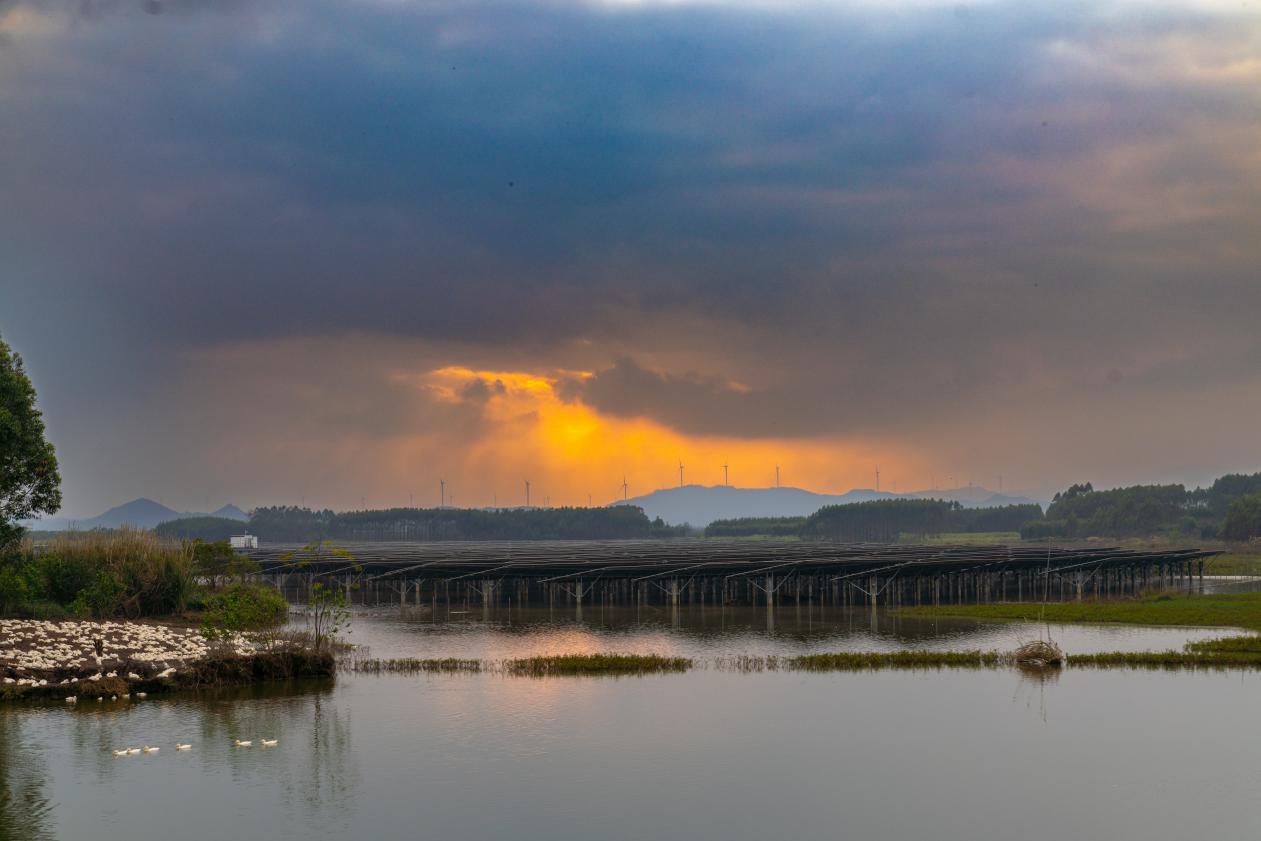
<point>289,524</point>
<point>1243,518</point>
<point>1224,610</point>
<point>242,607</point>
<point>411,665</point>
<point>135,574</point>
<point>328,606</point>
<point>1234,563</point>
<point>218,564</point>
<point>30,484</point>
<point>1227,652</point>
<point>756,527</point>
<point>209,529</point>
<point>980,538</point>
<point>127,573</point>
<point>1230,508</point>
<point>848,661</point>
<point>596,664</point>
<point>888,520</point>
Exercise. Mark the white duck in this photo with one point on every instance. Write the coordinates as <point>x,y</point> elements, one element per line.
<point>148,749</point>
<point>183,745</point>
<point>241,744</point>
<point>269,743</point>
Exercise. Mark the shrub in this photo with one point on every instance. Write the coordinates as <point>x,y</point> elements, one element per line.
<point>218,563</point>
<point>242,607</point>
<point>101,598</point>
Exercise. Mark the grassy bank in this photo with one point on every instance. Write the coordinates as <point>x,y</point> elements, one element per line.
<point>1234,562</point>
<point>1224,610</point>
<point>1225,653</point>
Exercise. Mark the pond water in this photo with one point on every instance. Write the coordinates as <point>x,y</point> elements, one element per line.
<point>704,755</point>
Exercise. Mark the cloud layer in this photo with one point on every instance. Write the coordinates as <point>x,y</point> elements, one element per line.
<point>978,238</point>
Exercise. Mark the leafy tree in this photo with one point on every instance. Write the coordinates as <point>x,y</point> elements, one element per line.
<point>29,482</point>
<point>1243,520</point>
<point>218,563</point>
<point>328,606</point>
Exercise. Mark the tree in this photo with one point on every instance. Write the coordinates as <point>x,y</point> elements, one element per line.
<point>29,482</point>
<point>1243,520</point>
<point>328,606</point>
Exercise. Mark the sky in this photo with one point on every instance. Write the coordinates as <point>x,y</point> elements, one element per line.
<point>330,252</point>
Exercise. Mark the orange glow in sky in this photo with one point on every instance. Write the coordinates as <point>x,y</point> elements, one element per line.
<point>568,450</point>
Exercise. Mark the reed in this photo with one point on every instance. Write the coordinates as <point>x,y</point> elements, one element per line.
<point>412,665</point>
<point>595,664</point>
<point>852,661</point>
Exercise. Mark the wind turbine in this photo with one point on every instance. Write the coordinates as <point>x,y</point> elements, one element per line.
<point>877,478</point>
<point>527,493</point>
<point>777,475</point>
<point>680,473</point>
<point>625,487</point>
<point>442,493</point>
<point>725,481</point>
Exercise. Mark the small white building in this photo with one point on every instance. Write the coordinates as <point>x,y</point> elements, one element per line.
<point>244,541</point>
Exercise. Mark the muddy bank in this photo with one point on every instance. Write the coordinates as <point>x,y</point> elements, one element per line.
<point>112,660</point>
<point>142,680</point>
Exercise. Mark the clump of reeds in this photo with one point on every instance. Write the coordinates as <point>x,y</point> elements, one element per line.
<point>1039,654</point>
<point>596,664</point>
<point>1223,653</point>
<point>412,665</point>
<point>849,661</point>
<point>748,663</point>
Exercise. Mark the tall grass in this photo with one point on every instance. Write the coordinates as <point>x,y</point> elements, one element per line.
<point>125,572</point>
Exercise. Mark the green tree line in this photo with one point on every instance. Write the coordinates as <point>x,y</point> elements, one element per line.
<point>881,521</point>
<point>1230,508</point>
<point>287,524</point>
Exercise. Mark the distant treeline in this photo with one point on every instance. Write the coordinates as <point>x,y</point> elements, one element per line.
<point>881,521</point>
<point>885,520</point>
<point>209,529</point>
<point>296,525</point>
<point>756,527</point>
<point>1230,509</point>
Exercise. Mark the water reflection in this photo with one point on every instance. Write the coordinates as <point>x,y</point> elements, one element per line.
<point>712,755</point>
<point>715,631</point>
<point>24,804</point>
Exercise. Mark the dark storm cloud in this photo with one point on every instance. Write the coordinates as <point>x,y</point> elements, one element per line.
<point>746,221</point>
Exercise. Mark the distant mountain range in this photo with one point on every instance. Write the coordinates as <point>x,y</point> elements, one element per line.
<point>142,513</point>
<point>699,505</point>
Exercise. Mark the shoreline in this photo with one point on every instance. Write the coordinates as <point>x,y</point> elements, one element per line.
<point>99,660</point>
